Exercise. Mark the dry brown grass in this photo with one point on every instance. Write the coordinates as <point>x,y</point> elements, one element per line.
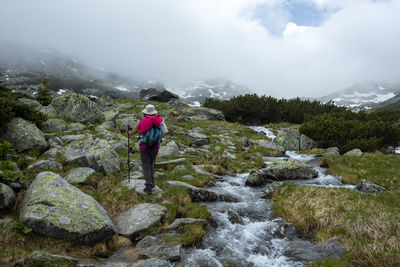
<point>368,227</point>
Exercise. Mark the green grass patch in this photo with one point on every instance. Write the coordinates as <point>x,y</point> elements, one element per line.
<point>192,234</point>
<point>367,226</point>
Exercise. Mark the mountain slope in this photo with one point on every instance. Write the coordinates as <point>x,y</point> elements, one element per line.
<point>364,96</point>
<point>219,88</point>
<point>23,68</point>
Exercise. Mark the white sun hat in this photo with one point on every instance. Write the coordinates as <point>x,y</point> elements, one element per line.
<point>150,110</point>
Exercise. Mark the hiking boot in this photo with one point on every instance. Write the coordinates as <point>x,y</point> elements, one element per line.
<point>147,191</point>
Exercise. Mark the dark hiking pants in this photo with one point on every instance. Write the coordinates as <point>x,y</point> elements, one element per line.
<point>148,159</point>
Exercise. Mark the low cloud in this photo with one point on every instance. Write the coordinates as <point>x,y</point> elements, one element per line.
<point>182,40</point>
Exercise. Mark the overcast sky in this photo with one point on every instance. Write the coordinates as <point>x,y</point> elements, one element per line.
<point>282,48</point>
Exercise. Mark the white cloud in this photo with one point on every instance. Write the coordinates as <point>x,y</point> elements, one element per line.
<point>180,40</point>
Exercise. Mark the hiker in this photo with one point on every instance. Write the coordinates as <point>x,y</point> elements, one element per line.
<point>149,153</point>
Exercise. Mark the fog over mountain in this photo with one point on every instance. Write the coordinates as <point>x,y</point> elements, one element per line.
<point>272,47</point>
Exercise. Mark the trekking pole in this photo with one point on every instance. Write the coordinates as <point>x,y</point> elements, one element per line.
<point>129,161</point>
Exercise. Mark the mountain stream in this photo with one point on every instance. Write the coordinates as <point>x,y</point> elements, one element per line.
<point>256,238</point>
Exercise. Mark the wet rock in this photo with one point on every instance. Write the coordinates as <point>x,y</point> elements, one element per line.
<point>148,241</point>
<point>165,252</point>
<point>184,221</point>
<point>331,151</point>
<point>54,208</point>
<point>79,175</point>
<point>366,186</point>
<point>202,113</point>
<point>234,217</point>
<point>281,170</point>
<point>168,150</point>
<point>354,153</point>
<point>139,219</point>
<point>55,125</point>
<point>139,186</point>
<point>7,197</point>
<point>196,139</point>
<point>162,164</point>
<point>78,108</point>
<point>201,194</point>
<point>153,263</point>
<point>24,135</point>
<point>291,139</point>
<point>308,251</point>
<point>270,190</point>
<point>92,152</point>
<point>270,145</point>
<point>39,258</point>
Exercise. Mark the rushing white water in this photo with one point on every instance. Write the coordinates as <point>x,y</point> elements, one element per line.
<point>264,130</point>
<point>259,241</point>
<point>397,151</point>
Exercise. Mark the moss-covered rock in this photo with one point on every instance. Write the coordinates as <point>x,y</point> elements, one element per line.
<point>92,152</point>
<point>291,139</point>
<point>77,108</point>
<point>39,258</point>
<point>168,150</point>
<point>54,208</point>
<point>79,175</point>
<point>281,170</point>
<point>24,135</point>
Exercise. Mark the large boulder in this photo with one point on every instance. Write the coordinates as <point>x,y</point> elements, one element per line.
<point>7,197</point>
<point>354,153</point>
<point>53,207</point>
<point>291,139</point>
<point>78,108</point>
<point>269,145</point>
<point>202,113</point>
<point>138,219</point>
<point>198,194</point>
<point>331,151</point>
<point>24,135</point>
<point>117,141</point>
<point>281,170</point>
<point>92,152</point>
<point>154,94</point>
<point>55,125</point>
<point>168,150</point>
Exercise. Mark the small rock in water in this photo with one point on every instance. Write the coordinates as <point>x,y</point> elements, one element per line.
<point>165,252</point>
<point>234,217</point>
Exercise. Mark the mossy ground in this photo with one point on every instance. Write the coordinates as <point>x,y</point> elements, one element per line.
<point>368,225</point>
